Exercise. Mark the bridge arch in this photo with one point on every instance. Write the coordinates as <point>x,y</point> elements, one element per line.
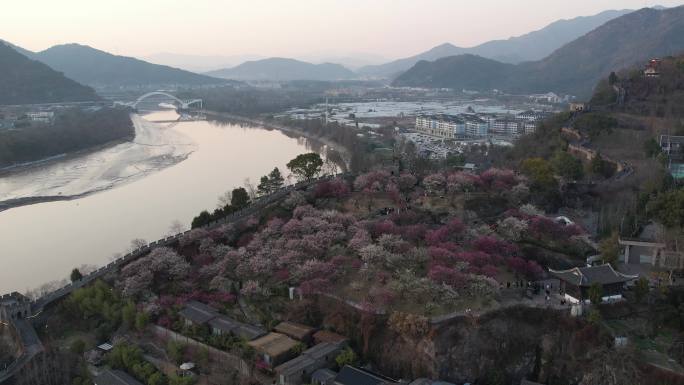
<point>154,93</point>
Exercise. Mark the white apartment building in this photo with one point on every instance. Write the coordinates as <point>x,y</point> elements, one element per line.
<point>529,127</point>
<point>505,127</point>
<point>475,127</point>
<point>41,116</point>
<point>443,126</point>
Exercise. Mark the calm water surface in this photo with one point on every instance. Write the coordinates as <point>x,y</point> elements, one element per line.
<point>43,242</point>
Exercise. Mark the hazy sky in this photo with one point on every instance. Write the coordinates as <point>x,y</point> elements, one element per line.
<point>388,28</point>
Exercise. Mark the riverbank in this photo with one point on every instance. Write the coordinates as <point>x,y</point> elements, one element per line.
<point>154,147</point>
<point>21,167</point>
<point>86,172</point>
<point>270,125</point>
<point>44,242</point>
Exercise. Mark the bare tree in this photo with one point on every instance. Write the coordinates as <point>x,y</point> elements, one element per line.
<point>176,227</point>
<point>251,190</point>
<point>137,243</point>
<point>224,199</point>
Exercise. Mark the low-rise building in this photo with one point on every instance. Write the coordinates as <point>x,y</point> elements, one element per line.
<point>221,325</point>
<point>274,348</point>
<point>427,381</point>
<point>294,330</point>
<point>323,377</point>
<point>41,116</point>
<point>197,313</point>
<point>578,107</point>
<point>300,370</point>
<point>351,375</point>
<point>575,282</point>
<point>673,148</point>
<point>115,377</point>
<point>328,336</point>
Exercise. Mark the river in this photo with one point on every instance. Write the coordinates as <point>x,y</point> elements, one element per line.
<point>43,242</point>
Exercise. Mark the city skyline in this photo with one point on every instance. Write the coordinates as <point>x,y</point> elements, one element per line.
<point>383,29</point>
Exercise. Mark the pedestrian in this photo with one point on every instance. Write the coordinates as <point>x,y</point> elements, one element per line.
<point>508,284</point>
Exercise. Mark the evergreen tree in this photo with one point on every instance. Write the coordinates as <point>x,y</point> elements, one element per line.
<point>239,198</point>
<point>76,275</point>
<point>276,180</point>
<point>306,166</point>
<point>264,187</point>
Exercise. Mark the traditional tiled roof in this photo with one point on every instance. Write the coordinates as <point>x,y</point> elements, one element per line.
<point>224,324</point>
<point>115,377</point>
<point>328,336</point>
<point>229,325</point>
<point>294,330</point>
<point>323,376</point>
<point>350,375</point>
<point>587,276</point>
<point>273,344</point>
<point>301,364</point>
<point>198,312</point>
<point>249,332</point>
<point>311,359</point>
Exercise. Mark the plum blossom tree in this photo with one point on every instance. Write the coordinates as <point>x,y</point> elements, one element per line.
<point>531,210</point>
<point>445,275</point>
<point>360,240</point>
<point>498,180</point>
<point>495,246</point>
<point>435,184</point>
<point>393,243</point>
<point>384,227</point>
<point>161,266</point>
<point>251,288</point>
<point>374,180</point>
<point>460,182</point>
<point>373,255</point>
<point>511,228</point>
<point>406,182</point>
<point>314,285</point>
<point>336,188</point>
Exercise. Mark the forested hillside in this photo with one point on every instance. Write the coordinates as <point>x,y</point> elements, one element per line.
<point>101,69</point>
<point>72,131</point>
<point>25,81</point>
<point>573,69</point>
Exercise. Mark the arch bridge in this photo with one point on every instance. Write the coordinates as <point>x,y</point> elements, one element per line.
<point>183,104</point>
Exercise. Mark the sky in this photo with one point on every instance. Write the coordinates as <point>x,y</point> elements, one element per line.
<point>289,28</point>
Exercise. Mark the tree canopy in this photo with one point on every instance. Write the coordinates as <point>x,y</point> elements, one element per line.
<point>306,166</point>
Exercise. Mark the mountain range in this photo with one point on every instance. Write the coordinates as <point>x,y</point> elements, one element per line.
<point>97,68</point>
<point>23,80</point>
<point>531,46</point>
<point>282,69</point>
<point>574,68</point>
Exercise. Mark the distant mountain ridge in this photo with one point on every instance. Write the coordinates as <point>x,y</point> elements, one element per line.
<point>574,68</point>
<point>97,68</point>
<point>531,46</point>
<point>26,81</point>
<point>283,69</point>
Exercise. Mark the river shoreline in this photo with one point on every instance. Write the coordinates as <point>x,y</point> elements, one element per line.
<point>259,122</point>
<point>37,199</point>
<point>82,173</point>
<point>18,168</point>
